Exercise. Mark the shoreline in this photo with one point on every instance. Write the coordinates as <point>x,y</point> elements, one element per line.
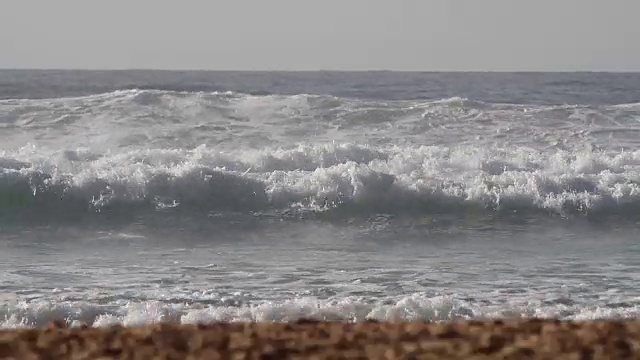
<point>499,339</point>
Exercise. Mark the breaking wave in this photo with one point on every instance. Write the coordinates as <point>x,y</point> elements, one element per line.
<point>416,307</point>
<point>346,180</point>
<point>134,152</point>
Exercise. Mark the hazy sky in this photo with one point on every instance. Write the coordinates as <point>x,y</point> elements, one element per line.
<point>322,34</point>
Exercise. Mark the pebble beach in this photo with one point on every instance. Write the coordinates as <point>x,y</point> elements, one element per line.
<point>527,339</point>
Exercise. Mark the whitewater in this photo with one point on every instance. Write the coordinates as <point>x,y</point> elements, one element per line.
<point>135,197</point>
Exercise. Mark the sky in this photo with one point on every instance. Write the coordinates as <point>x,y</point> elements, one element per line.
<point>423,35</point>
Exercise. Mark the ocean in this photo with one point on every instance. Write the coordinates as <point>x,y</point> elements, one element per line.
<point>134,197</point>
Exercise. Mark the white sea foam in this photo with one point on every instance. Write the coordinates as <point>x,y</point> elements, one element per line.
<point>415,307</point>
<point>358,179</point>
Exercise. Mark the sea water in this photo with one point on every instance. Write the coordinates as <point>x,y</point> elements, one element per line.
<point>133,197</point>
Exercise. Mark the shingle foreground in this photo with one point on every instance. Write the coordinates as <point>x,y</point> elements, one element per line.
<point>529,339</point>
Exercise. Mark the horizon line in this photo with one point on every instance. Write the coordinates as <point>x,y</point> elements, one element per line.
<point>322,70</point>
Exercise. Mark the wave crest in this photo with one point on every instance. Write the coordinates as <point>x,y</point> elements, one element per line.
<point>416,307</point>
<point>332,180</point>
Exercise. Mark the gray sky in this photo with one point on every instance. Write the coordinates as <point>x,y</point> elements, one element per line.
<point>322,34</point>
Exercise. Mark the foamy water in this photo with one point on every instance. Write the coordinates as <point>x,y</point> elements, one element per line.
<point>199,203</point>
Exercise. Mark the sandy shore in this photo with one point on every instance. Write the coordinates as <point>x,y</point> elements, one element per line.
<point>533,339</point>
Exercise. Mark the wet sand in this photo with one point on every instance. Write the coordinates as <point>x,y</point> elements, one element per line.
<point>532,339</point>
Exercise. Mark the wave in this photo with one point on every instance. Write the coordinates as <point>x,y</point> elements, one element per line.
<point>163,119</point>
<point>131,153</point>
<point>337,181</point>
<point>142,93</point>
<point>417,307</point>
